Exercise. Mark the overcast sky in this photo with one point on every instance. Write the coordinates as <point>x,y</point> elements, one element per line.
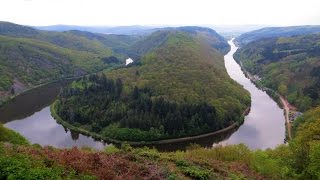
<point>161,12</point>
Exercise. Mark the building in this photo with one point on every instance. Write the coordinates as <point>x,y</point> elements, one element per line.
<point>129,61</point>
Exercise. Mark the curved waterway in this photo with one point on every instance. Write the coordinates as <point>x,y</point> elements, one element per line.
<point>29,114</point>
<point>264,126</point>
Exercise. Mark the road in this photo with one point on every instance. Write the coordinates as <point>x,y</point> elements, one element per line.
<point>286,109</point>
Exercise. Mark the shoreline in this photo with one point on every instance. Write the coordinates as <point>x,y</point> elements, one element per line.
<point>157,142</point>
<point>280,100</point>
<point>12,97</point>
<point>7,99</point>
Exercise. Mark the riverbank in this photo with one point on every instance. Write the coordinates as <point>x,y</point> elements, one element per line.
<point>287,110</point>
<point>282,102</point>
<point>10,98</point>
<point>7,99</point>
<point>139,143</point>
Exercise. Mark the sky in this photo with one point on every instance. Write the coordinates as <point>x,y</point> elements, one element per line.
<point>160,12</point>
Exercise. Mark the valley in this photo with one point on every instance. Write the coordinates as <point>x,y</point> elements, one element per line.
<point>258,137</point>
<point>190,105</point>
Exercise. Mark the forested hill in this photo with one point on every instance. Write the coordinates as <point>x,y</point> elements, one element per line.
<point>289,65</point>
<point>269,32</point>
<point>180,87</point>
<point>160,36</point>
<point>30,57</point>
<point>101,44</point>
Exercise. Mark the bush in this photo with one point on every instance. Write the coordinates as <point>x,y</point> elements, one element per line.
<point>192,170</point>
<point>111,149</point>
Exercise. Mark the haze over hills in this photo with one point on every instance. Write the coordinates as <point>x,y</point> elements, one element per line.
<point>124,30</point>
<point>268,32</point>
<point>225,30</point>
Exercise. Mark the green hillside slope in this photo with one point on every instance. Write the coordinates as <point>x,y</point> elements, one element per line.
<point>179,88</point>
<point>32,62</point>
<point>159,37</point>
<point>31,57</point>
<point>289,65</point>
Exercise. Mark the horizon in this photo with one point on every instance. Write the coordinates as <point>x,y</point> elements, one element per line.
<point>165,13</point>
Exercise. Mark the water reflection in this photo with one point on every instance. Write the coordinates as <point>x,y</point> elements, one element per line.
<point>30,102</point>
<point>43,129</point>
<point>264,125</point>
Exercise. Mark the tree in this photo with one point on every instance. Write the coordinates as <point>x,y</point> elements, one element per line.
<point>12,91</point>
<point>282,89</point>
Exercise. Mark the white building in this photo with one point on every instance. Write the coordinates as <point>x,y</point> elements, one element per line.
<point>128,61</point>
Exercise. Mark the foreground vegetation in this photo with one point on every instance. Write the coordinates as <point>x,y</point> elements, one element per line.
<point>289,65</point>
<point>298,160</point>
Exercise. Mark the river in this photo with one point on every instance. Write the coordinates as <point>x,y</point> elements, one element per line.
<point>264,126</point>
<point>29,114</point>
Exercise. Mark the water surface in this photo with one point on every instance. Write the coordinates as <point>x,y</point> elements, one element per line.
<point>264,126</point>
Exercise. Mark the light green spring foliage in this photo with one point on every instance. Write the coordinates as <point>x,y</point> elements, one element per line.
<point>7,135</point>
<point>309,116</point>
<point>33,56</point>
<point>184,69</point>
<point>34,62</point>
<point>289,65</point>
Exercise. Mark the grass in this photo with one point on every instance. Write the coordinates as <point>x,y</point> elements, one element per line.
<point>7,135</point>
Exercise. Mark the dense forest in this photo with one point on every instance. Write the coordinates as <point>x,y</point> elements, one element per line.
<point>180,88</point>
<point>97,102</point>
<point>289,65</point>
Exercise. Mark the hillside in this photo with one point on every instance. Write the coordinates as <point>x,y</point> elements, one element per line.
<point>160,36</point>
<point>269,32</point>
<point>298,160</point>
<point>26,62</point>
<point>209,36</point>
<point>18,160</point>
<point>179,88</point>
<point>289,65</point>
<point>30,57</point>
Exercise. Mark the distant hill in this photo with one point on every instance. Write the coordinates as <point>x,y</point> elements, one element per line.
<point>276,32</point>
<point>100,44</point>
<point>15,30</point>
<point>289,65</point>
<point>180,87</point>
<point>205,33</point>
<point>123,30</point>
